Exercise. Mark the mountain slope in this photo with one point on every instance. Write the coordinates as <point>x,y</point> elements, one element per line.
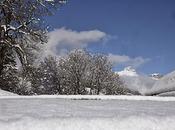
<point>164,85</point>
<point>135,81</point>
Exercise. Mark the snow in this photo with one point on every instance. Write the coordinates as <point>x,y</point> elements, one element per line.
<point>70,113</point>
<point>135,81</point>
<point>5,93</point>
<point>94,97</point>
<point>154,84</point>
<point>156,76</point>
<point>171,93</point>
<point>165,84</point>
<point>131,123</point>
<point>128,71</point>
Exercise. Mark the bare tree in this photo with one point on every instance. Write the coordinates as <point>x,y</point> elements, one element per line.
<point>75,68</point>
<point>101,70</point>
<point>102,78</point>
<point>85,73</point>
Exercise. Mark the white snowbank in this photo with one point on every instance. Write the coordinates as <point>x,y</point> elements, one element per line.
<point>70,113</point>
<point>129,123</point>
<point>5,93</point>
<point>168,94</point>
<point>94,97</point>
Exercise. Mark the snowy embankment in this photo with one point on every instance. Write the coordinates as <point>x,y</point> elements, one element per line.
<point>92,97</point>
<point>6,93</point>
<point>130,123</point>
<point>70,113</point>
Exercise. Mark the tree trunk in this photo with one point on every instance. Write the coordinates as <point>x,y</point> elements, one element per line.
<point>1,60</point>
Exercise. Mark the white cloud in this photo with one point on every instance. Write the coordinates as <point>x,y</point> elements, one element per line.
<point>61,40</point>
<point>127,61</point>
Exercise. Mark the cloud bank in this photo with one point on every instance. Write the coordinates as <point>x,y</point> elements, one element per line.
<point>127,61</point>
<point>61,40</point>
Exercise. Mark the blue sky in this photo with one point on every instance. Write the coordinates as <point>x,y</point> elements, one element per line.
<point>140,33</point>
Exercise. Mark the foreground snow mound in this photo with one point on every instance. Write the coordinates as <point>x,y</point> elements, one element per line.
<point>91,98</point>
<point>5,93</point>
<point>129,123</point>
<point>66,113</point>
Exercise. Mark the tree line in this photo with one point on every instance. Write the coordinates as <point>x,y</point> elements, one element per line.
<point>22,28</point>
<point>79,72</point>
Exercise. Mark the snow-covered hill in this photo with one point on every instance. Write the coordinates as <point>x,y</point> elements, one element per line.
<point>153,84</point>
<point>5,93</point>
<point>135,81</point>
<point>165,85</point>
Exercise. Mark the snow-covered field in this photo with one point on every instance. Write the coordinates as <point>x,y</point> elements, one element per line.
<point>71,113</point>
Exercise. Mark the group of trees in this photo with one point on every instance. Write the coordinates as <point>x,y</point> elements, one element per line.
<point>21,30</point>
<point>77,73</point>
<point>21,24</point>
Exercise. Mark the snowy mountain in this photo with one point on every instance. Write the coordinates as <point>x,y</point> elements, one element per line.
<point>128,71</point>
<point>5,93</point>
<point>135,81</point>
<point>165,85</point>
<point>156,76</point>
<point>153,84</point>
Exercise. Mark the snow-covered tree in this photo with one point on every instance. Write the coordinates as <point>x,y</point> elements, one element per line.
<point>85,73</point>
<point>115,86</point>
<point>21,20</point>
<point>75,67</point>
<point>49,76</point>
<point>9,75</point>
<point>24,87</point>
<point>102,79</point>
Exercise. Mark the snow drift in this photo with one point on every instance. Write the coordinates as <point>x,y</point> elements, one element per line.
<point>130,123</point>
<point>63,113</point>
<point>5,93</point>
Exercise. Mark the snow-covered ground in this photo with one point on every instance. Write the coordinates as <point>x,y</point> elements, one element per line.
<point>70,113</point>
<point>5,93</point>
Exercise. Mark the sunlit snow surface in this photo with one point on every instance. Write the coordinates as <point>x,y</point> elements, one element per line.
<point>99,113</point>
